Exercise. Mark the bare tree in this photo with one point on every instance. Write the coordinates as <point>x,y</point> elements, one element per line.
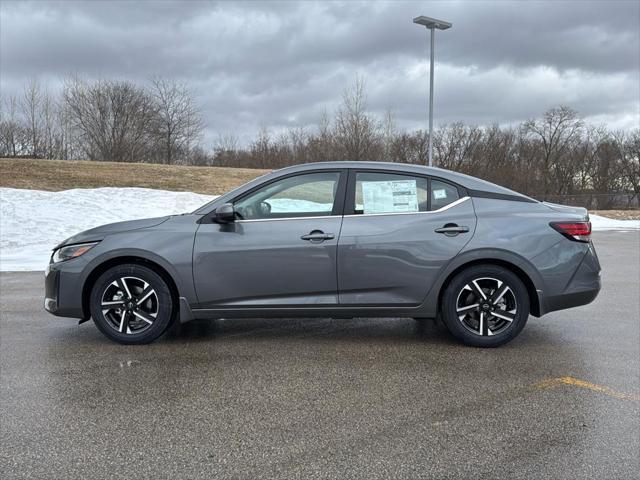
<point>299,144</point>
<point>178,119</point>
<point>31,106</point>
<point>388,134</point>
<point>12,132</point>
<point>225,150</point>
<point>582,178</point>
<point>454,145</point>
<point>261,149</point>
<point>112,117</point>
<point>50,127</point>
<point>69,143</point>
<point>410,147</point>
<point>492,153</point>
<point>558,131</point>
<point>321,144</point>
<point>356,132</point>
<point>631,160</point>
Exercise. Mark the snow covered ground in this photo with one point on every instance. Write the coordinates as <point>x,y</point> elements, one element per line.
<point>604,223</point>
<point>33,221</point>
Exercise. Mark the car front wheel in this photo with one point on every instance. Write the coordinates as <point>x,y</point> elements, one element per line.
<point>131,304</point>
<point>485,306</point>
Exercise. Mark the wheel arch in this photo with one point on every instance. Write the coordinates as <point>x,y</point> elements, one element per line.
<point>534,301</point>
<point>102,267</point>
<point>512,262</point>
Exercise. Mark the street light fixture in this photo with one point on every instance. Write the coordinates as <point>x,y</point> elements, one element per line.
<point>431,24</point>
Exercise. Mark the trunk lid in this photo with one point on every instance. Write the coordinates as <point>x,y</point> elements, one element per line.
<point>578,211</point>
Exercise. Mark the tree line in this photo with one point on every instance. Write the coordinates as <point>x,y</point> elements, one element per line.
<point>103,120</point>
<point>556,157</point>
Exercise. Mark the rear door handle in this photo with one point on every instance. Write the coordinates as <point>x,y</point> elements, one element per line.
<point>317,236</point>
<point>451,230</point>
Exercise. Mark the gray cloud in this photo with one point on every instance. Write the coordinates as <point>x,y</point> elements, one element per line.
<point>282,64</point>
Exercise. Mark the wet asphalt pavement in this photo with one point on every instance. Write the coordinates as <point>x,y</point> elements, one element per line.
<point>382,398</point>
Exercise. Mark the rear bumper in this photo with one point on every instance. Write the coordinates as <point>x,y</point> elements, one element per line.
<point>582,288</point>
<point>569,300</point>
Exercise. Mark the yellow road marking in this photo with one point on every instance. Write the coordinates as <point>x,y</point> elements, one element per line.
<point>576,382</point>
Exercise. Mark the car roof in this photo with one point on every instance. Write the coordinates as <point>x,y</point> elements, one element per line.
<point>465,181</point>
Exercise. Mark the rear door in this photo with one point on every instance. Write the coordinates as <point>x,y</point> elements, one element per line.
<point>398,232</point>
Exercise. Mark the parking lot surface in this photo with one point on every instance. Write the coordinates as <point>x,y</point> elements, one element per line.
<point>323,398</point>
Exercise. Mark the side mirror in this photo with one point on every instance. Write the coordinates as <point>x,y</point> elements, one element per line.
<point>224,213</point>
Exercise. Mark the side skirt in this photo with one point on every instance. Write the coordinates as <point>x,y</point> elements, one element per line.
<point>293,312</point>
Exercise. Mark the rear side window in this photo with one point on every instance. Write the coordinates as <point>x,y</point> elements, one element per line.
<point>384,193</point>
<point>442,194</point>
<point>390,193</point>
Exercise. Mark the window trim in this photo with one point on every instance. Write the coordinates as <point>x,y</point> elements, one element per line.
<point>338,201</point>
<point>312,217</point>
<point>442,209</point>
<point>350,196</point>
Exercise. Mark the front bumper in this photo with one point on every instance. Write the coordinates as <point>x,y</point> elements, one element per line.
<point>51,287</point>
<point>63,289</point>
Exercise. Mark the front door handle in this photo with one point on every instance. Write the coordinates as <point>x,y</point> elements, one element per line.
<point>451,229</point>
<point>317,236</point>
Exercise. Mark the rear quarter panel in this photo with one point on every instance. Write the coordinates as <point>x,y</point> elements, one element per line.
<point>522,230</point>
<point>517,233</point>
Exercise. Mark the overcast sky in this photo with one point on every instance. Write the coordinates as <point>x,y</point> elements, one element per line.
<point>281,64</point>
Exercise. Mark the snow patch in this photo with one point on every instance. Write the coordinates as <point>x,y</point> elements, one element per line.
<point>283,205</point>
<point>604,223</point>
<point>32,222</point>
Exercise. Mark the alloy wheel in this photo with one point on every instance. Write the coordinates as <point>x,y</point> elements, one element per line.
<point>486,306</point>
<point>130,305</point>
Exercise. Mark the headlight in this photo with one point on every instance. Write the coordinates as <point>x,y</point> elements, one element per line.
<point>71,251</point>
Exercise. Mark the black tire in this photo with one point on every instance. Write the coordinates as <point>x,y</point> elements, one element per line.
<point>490,324</point>
<point>149,309</point>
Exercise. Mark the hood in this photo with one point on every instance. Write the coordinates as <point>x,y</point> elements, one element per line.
<point>98,233</point>
<point>582,212</point>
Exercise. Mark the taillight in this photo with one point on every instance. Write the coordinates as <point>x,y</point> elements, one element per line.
<point>578,231</point>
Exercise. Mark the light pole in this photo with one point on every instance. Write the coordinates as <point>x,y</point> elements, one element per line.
<point>431,24</point>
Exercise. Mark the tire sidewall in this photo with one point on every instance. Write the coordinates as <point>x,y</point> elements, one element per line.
<point>165,301</point>
<point>450,297</point>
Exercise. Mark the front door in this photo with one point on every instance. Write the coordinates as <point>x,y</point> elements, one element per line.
<point>398,232</point>
<point>280,251</point>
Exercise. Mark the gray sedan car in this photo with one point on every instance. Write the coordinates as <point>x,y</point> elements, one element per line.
<point>338,239</point>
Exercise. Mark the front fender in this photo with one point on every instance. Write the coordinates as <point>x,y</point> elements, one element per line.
<point>178,278</point>
<point>170,249</point>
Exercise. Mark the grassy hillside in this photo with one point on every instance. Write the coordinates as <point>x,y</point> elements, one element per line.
<point>56,175</point>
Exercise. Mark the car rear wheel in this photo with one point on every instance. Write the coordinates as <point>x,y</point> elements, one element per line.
<point>485,306</point>
<point>131,304</point>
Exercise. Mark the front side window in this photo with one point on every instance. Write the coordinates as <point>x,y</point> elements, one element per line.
<point>306,195</point>
<point>390,193</point>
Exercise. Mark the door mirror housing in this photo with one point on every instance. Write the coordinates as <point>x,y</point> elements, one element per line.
<point>224,213</point>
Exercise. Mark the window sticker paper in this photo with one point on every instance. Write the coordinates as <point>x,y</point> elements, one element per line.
<point>440,194</point>
<point>392,196</point>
